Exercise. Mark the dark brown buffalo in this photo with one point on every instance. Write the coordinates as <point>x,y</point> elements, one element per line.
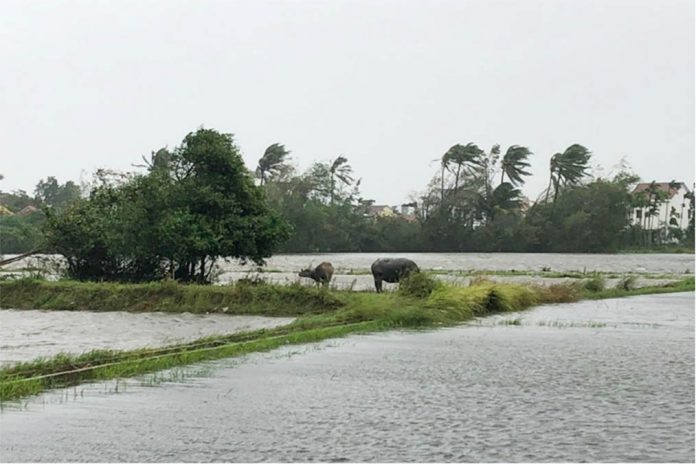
<point>321,274</point>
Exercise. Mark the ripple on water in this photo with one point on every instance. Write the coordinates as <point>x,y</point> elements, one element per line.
<point>499,393</point>
<point>80,331</point>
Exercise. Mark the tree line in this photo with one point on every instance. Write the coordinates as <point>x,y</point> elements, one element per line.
<point>472,203</point>
<point>189,206</point>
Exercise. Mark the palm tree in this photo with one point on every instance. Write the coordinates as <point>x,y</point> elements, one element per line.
<point>465,157</point>
<point>505,197</point>
<point>341,170</point>
<point>272,161</point>
<point>568,168</point>
<point>514,165</point>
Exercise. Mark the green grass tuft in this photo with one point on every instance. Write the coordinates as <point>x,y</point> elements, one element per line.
<point>168,296</point>
<point>418,285</point>
<point>595,284</point>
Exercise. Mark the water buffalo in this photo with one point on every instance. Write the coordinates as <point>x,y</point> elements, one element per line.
<point>321,274</point>
<point>391,270</point>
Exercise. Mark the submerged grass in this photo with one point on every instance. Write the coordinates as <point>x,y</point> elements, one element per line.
<point>324,315</point>
<point>684,285</point>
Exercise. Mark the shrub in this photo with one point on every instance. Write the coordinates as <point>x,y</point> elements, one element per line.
<point>595,284</point>
<point>480,280</point>
<point>418,285</point>
<point>627,283</point>
<point>460,303</point>
<point>251,281</point>
<point>511,298</point>
<point>560,293</point>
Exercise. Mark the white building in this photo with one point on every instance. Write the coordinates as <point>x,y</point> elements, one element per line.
<point>675,210</point>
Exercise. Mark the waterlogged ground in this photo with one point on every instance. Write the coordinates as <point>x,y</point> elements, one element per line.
<point>364,282</point>
<point>608,380</point>
<point>562,262</point>
<point>25,335</point>
<point>353,269</point>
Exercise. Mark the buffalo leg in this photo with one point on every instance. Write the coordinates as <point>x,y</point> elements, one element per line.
<point>378,285</point>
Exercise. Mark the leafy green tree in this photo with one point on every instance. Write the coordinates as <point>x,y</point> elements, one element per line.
<point>21,234</point>
<point>584,218</point>
<point>174,221</point>
<point>50,193</point>
<point>17,200</point>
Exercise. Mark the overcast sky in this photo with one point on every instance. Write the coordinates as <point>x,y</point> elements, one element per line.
<point>391,85</point>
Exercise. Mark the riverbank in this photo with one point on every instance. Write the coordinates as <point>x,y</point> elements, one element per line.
<point>419,304</point>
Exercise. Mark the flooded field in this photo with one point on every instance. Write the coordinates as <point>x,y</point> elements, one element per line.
<point>25,335</point>
<point>608,380</point>
<point>562,262</point>
<point>353,269</point>
<point>362,282</point>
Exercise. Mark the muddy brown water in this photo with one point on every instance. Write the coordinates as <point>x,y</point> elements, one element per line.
<point>609,380</point>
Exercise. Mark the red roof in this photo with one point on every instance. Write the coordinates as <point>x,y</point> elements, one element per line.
<point>664,186</point>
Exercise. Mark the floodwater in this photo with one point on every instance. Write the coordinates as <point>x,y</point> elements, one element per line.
<point>352,270</point>
<point>25,335</point>
<point>648,263</point>
<point>561,262</point>
<point>363,282</point>
<point>609,380</point>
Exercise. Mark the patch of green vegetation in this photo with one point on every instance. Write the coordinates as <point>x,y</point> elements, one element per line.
<point>572,324</point>
<point>558,324</point>
<point>17,382</point>
<point>664,248</point>
<point>627,283</point>
<point>331,314</point>
<point>684,285</point>
<point>418,284</point>
<point>355,312</point>
<point>595,284</point>
<point>244,297</point>
<point>546,274</point>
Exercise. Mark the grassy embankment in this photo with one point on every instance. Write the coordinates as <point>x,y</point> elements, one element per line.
<point>421,302</point>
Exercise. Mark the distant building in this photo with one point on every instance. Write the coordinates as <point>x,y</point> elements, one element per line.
<point>4,211</point>
<point>675,210</point>
<point>27,210</point>
<point>380,211</point>
<point>525,203</point>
